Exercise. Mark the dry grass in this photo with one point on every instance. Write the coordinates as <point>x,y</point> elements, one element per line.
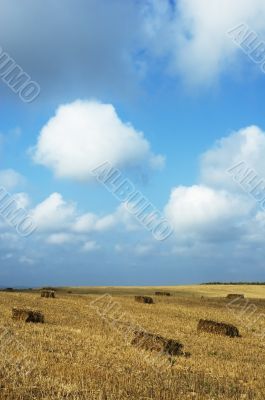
<point>250,291</point>
<point>77,355</point>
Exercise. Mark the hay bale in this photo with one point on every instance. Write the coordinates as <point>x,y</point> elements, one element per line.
<point>232,296</point>
<point>218,328</point>
<point>144,299</point>
<point>149,341</point>
<point>162,294</point>
<point>48,293</point>
<point>27,315</point>
<point>49,288</point>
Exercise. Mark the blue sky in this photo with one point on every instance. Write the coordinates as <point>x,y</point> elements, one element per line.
<point>162,92</point>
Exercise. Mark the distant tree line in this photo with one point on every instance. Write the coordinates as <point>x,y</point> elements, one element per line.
<point>233,283</point>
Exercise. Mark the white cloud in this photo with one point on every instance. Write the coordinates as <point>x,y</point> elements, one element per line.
<point>83,135</point>
<point>22,199</point>
<point>85,223</point>
<point>246,145</point>
<point>53,213</point>
<point>138,249</point>
<point>200,209</point>
<point>126,218</point>
<point>90,246</point>
<point>9,179</point>
<point>91,222</point>
<point>14,203</point>
<point>218,207</point>
<point>26,260</point>
<point>212,211</point>
<point>106,223</point>
<point>193,35</point>
<point>60,238</point>
<point>143,249</point>
<point>10,239</point>
<point>56,214</point>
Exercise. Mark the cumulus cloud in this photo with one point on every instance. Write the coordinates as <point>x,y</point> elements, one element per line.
<point>85,134</point>
<point>90,245</point>
<point>127,219</point>
<point>100,42</point>
<point>26,260</point>
<point>217,207</point>
<point>90,222</point>
<point>143,249</point>
<point>106,46</point>
<point>53,213</point>
<point>198,209</point>
<point>59,221</point>
<point>247,144</point>
<point>211,219</point>
<point>60,238</point>
<point>23,200</point>
<point>85,223</point>
<point>10,179</point>
<point>106,223</point>
<point>192,34</point>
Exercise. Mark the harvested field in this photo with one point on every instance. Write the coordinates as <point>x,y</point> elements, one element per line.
<point>78,355</point>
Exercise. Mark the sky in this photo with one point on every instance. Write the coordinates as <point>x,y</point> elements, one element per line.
<point>169,99</point>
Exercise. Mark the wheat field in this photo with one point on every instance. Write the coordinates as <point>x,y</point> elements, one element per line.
<point>79,353</point>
